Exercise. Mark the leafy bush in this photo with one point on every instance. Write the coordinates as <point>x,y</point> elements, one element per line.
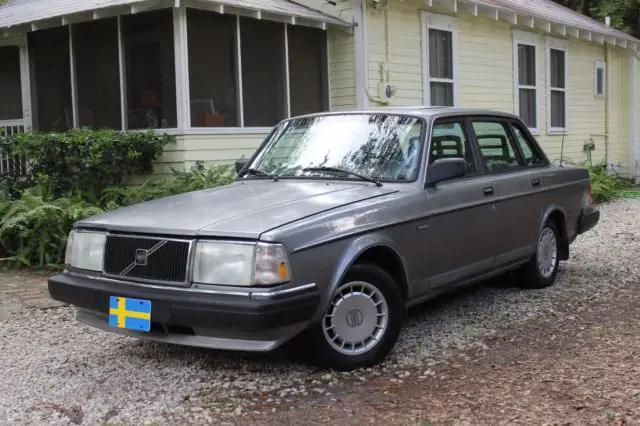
<point>78,160</point>
<point>34,227</point>
<point>195,179</point>
<point>604,185</point>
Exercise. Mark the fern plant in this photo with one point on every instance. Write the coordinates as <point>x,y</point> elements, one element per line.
<point>34,229</point>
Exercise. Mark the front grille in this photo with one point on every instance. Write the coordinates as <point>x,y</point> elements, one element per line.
<point>166,260</point>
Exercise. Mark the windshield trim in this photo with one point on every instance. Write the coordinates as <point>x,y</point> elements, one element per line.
<point>274,131</point>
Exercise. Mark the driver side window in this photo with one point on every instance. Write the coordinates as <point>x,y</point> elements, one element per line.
<point>449,140</point>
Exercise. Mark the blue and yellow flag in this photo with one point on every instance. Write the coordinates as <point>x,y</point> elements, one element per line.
<point>132,314</point>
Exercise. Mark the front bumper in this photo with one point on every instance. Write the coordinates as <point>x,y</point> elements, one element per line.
<point>588,219</point>
<point>258,321</point>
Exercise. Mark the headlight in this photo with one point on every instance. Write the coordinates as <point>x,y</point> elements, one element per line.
<point>240,264</point>
<point>85,250</point>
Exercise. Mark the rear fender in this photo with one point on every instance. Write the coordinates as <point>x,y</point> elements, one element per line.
<point>564,242</point>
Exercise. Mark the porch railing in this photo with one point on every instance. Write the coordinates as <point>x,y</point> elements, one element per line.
<point>11,164</point>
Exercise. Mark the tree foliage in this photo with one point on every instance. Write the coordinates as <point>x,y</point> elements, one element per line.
<point>625,14</point>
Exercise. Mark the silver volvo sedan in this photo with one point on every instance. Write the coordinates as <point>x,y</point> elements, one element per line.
<point>335,226</point>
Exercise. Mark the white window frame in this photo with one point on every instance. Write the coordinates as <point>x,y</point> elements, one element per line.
<point>528,39</point>
<point>599,65</point>
<point>442,23</point>
<point>183,95</point>
<point>563,45</point>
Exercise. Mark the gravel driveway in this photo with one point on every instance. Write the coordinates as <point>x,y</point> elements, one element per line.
<point>57,371</point>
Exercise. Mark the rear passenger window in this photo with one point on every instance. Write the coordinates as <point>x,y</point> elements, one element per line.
<point>496,148</point>
<point>449,140</point>
<point>531,156</point>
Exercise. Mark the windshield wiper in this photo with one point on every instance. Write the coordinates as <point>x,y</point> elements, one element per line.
<point>261,173</point>
<point>343,171</point>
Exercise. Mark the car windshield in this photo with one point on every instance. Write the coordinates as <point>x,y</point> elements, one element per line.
<point>379,146</point>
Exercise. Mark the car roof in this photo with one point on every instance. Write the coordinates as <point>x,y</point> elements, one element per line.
<point>426,112</point>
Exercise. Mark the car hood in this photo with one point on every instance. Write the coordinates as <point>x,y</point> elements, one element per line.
<point>239,210</point>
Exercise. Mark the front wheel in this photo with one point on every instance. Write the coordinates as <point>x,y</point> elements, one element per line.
<point>362,322</point>
<point>542,269</point>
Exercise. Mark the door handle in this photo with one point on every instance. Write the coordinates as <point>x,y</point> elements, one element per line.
<point>535,182</point>
<point>488,190</point>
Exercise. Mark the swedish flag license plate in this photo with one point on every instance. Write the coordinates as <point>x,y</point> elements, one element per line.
<point>130,314</point>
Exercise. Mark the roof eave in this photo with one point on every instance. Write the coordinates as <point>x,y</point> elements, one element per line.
<point>322,21</point>
<point>552,28</point>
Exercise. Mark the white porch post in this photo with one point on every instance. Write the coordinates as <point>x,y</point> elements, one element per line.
<point>122,75</point>
<point>25,82</point>
<point>74,80</point>
<point>181,54</point>
<point>287,71</point>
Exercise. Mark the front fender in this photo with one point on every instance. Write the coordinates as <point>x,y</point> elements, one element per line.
<point>348,257</point>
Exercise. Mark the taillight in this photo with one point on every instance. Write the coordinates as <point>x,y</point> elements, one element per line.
<point>590,197</point>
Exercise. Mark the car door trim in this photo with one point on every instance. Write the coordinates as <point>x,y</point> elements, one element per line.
<point>435,213</point>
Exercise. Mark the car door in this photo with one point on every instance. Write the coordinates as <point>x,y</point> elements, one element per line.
<point>460,227</point>
<point>516,189</point>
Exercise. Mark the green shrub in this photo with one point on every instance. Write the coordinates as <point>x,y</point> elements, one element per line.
<point>197,178</point>
<point>604,185</point>
<point>78,160</point>
<point>35,226</point>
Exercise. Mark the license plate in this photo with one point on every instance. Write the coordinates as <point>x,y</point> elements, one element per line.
<point>130,314</point>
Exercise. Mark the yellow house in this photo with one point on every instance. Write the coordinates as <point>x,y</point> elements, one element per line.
<point>574,81</point>
<point>220,73</point>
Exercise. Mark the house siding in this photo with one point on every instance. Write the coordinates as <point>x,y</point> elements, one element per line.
<point>485,78</point>
<point>342,70</point>
<point>210,149</point>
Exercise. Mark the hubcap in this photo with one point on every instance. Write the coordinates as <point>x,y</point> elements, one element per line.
<point>356,319</point>
<point>547,252</point>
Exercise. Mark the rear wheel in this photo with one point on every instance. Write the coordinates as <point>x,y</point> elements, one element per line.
<point>362,322</point>
<point>542,269</point>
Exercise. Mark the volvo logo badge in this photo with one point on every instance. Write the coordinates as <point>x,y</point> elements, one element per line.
<point>354,318</point>
<point>141,257</point>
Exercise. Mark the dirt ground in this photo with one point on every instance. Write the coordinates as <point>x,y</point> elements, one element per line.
<point>580,366</point>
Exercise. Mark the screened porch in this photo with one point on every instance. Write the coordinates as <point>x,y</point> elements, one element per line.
<point>178,69</point>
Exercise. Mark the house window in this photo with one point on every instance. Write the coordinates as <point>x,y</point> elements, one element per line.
<point>263,72</point>
<point>308,70</point>
<point>439,58</point>
<point>526,78</point>
<point>11,104</point>
<point>239,79</point>
<point>600,79</point>
<point>557,85</point>
<point>213,79</point>
<point>97,74</point>
<point>52,77</point>
<point>150,70</point>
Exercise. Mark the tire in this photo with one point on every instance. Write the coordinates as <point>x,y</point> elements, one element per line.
<point>541,271</point>
<point>350,316</point>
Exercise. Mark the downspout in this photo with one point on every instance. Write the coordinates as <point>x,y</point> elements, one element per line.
<point>385,71</point>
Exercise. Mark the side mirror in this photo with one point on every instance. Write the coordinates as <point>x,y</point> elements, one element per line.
<point>240,164</point>
<point>445,169</point>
